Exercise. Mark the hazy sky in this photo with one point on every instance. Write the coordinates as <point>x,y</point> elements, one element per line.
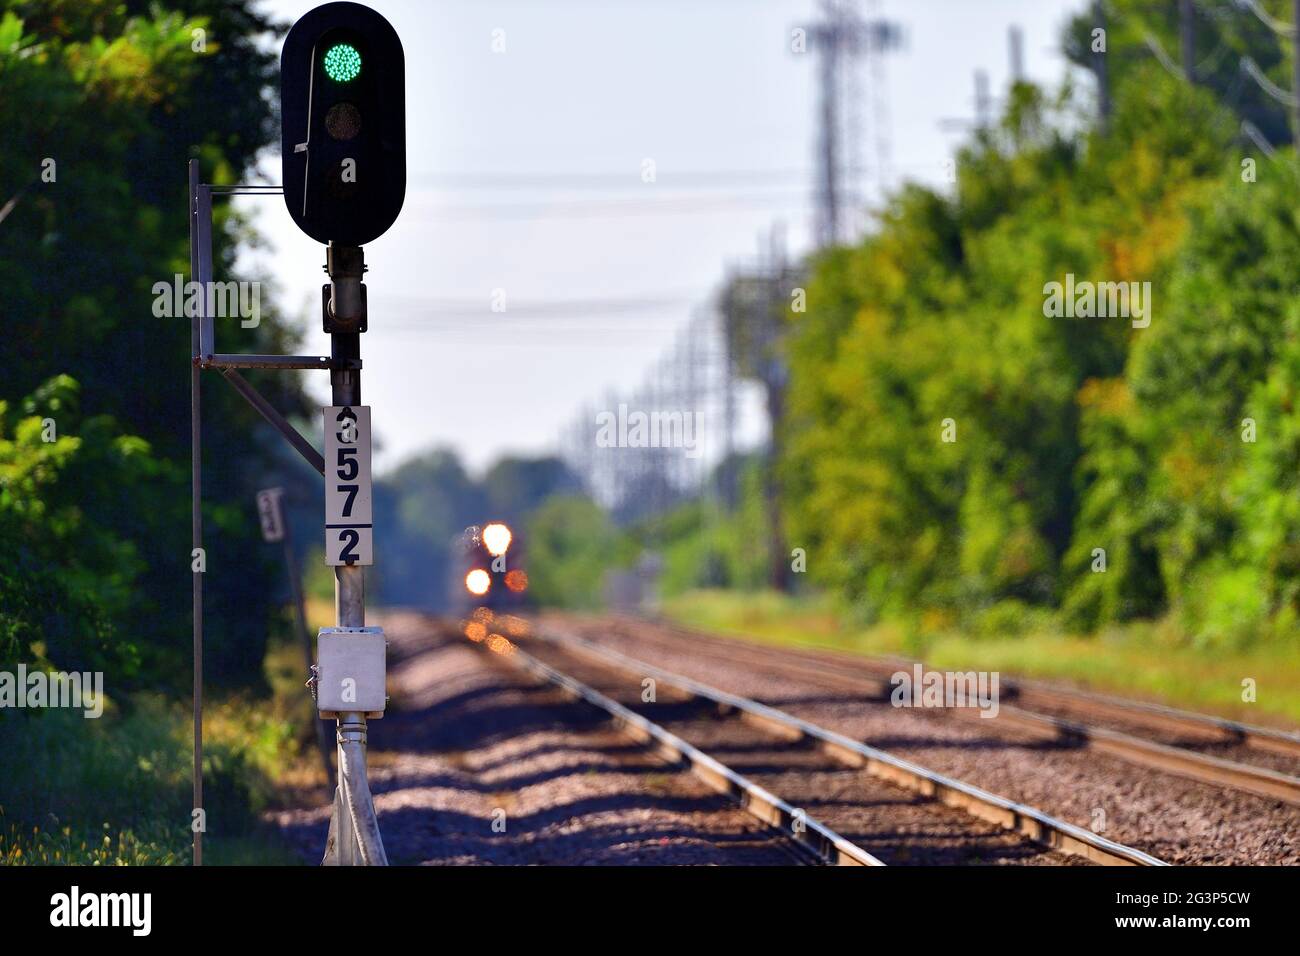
<point>524,174</point>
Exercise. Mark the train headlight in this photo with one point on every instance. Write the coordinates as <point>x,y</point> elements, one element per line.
<point>477,582</point>
<point>496,538</point>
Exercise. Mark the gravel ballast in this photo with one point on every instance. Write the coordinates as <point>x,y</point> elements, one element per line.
<point>1170,817</point>
<point>472,743</point>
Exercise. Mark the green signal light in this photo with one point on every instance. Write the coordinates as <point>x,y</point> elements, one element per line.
<point>342,63</point>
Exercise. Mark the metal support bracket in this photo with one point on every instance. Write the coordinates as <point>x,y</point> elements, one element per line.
<point>241,360</point>
<point>267,411</point>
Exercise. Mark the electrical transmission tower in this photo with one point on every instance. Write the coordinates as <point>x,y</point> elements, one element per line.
<point>841,41</point>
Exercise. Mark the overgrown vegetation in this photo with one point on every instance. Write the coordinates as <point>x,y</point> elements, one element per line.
<point>1142,659</point>
<point>116,790</point>
<point>956,456</point>
<point>102,105</point>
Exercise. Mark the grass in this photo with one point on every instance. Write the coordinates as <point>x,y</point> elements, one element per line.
<point>1147,660</point>
<point>117,790</point>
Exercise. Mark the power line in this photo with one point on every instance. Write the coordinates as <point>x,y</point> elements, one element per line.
<point>1267,85</point>
<point>615,208</point>
<point>1162,57</point>
<point>606,180</point>
<point>542,307</point>
<point>1253,133</point>
<point>1277,26</point>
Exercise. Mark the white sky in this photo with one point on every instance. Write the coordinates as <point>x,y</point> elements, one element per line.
<point>524,175</point>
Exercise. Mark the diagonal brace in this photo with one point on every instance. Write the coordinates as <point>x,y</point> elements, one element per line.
<point>267,411</point>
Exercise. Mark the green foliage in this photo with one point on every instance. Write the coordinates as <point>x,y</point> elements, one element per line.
<point>1223,34</point>
<point>116,790</point>
<point>102,104</point>
<point>704,543</point>
<point>67,482</point>
<point>515,486</point>
<point>1149,660</point>
<point>1099,468</point>
<point>1173,479</point>
<point>424,507</point>
<point>571,544</point>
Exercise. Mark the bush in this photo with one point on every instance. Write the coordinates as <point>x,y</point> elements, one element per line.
<point>117,790</point>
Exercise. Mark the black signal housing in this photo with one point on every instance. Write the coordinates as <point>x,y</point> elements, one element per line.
<point>343,124</point>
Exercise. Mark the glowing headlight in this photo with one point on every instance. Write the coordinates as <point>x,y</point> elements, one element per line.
<point>496,538</point>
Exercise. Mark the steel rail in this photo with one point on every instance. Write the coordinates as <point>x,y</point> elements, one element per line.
<point>1153,715</point>
<point>1161,716</point>
<point>1157,716</point>
<point>820,841</point>
<point>1033,823</point>
<point>1203,768</point>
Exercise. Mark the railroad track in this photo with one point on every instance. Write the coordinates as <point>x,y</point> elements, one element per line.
<point>810,756</point>
<point>1156,717</point>
<point>870,679</point>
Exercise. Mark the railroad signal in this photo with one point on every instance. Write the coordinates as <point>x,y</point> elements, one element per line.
<point>343,124</point>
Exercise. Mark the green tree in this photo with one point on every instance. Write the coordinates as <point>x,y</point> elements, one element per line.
<point>571,544</point>
<point>102,105</point>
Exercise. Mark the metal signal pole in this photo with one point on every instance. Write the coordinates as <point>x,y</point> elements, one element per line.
<point>354,829</point>
<point>196,512</point>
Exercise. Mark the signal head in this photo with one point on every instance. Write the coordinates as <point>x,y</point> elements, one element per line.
<point>343,124</point>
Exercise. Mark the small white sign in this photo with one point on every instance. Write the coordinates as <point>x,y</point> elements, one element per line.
<point>270,514</point>
<point>348,530</point>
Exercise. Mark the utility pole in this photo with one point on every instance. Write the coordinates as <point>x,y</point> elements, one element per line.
<point>1187,37</point>
<point>1295,75</point>
<point>754,305</point>
<point>828,230</point>
<point>983,100</point>
<point>1100,66</point>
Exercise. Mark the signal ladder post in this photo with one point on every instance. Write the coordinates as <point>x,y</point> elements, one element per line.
<point>343,162</point>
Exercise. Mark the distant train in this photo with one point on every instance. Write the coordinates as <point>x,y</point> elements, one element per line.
<point>488,569</point>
